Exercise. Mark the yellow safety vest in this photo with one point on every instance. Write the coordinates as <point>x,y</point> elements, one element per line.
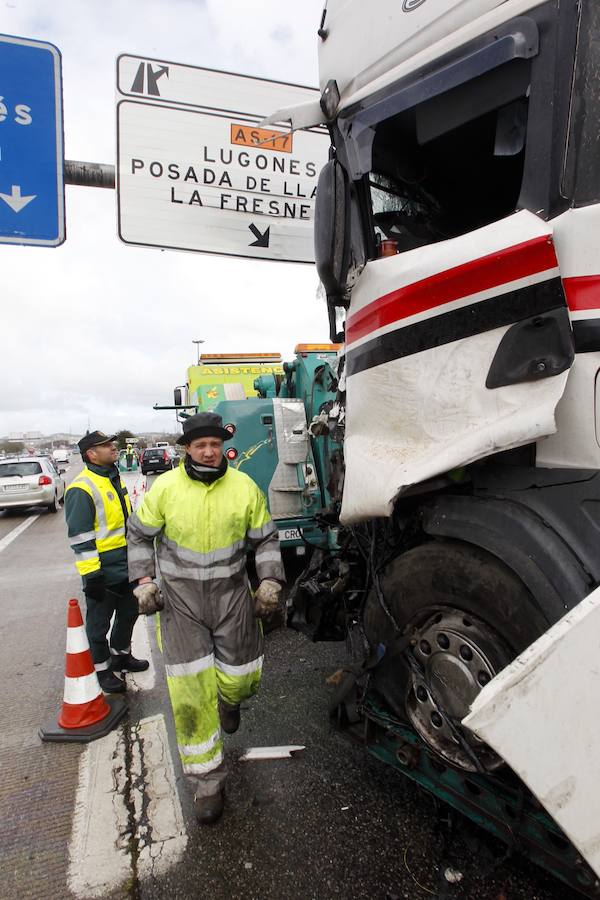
<point>109,521</point>
<point>204,531</point>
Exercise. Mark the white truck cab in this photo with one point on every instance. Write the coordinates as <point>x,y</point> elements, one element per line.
<point>457,236</point>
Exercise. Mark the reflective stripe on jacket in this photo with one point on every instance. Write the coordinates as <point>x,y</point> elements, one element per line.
<point>203,531</point>
<point>104,530</point>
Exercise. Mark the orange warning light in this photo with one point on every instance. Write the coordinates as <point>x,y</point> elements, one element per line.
<point>323,348</point>
<point>261,138</point>
<point>241,357</point>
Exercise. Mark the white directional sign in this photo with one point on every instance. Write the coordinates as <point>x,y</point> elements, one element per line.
<point>195,172</point>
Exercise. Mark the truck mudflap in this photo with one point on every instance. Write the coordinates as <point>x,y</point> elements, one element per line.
<point>454,351</point>
<point>540,714</point>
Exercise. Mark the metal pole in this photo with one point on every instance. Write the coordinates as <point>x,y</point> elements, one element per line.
<point>197,343</point>
<point>88,174</point>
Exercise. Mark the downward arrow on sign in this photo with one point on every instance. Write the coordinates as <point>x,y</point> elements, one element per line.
<point>262,240</point>
<point>14,199</point>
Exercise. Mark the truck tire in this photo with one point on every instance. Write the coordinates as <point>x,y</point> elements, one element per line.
<point>458,592</point>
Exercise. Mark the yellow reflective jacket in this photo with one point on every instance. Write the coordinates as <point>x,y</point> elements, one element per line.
<point>203,531</point>
<point>96,522</point>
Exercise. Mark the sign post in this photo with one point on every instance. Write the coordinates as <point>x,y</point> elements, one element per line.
<point>195,172</point>
<point>32,208</point>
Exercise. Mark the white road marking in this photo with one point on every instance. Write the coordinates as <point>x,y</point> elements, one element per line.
<point>166,838</point>
<point>140,648</point>
<point>99,851</point>
<point>10,537</point>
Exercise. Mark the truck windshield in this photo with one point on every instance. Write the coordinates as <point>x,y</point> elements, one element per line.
<point>427,186</point>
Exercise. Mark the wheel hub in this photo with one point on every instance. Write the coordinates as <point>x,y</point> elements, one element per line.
<point>456,656</point>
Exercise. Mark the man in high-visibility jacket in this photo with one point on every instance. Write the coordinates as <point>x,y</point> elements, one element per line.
<point>202,518</point>
<point>129,457</point>
<point>97,508</point>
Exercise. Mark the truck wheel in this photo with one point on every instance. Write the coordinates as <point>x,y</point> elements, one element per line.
<point>468,616</point>
<point>53,507</point>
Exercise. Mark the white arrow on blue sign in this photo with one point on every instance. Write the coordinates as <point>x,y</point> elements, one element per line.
<point>32,194</point>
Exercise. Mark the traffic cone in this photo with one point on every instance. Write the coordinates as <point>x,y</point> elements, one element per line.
<point>86,713</point>
<point>143,485</point>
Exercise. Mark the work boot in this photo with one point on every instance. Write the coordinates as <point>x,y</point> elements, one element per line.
<point>209,809</point>
<point>229,716</point>
<point>125,662</point>
<point>111,683</point>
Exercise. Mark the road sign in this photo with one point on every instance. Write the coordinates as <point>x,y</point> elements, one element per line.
<point>195,172</point>
<point>31,143</point>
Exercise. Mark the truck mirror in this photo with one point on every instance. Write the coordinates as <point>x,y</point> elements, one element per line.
<point>332,209</point>
<point>177,396</point>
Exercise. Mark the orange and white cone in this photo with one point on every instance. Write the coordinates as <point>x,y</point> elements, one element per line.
<point>86,713</point>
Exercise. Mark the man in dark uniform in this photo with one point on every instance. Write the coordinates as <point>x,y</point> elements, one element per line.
<point>97,507</point>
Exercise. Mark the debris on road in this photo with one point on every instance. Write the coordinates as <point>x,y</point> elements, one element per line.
<point>284,752</point>
<point>408,869</point>
<point>335,679</point>
<point>453,876</point>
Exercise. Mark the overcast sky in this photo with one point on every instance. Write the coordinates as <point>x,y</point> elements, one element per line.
<point>99,331</point>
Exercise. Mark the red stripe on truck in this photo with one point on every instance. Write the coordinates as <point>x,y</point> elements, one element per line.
<point>582,292</point>
<point>494,270</point>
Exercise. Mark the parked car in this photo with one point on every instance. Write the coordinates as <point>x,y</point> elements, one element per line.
<point>156,459</point>
<point>30,481</point>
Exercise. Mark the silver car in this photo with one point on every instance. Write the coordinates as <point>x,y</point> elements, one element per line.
<point>30,481</point>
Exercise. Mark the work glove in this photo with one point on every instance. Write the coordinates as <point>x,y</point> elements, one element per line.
<point>266,598</point>
<point>94,588</point>
<point>148,598</point>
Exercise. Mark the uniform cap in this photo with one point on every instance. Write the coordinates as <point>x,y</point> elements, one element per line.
<point>94,439</point>
<point>204,424</point>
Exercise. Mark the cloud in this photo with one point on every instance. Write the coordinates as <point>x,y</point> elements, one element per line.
<point>101,330</point>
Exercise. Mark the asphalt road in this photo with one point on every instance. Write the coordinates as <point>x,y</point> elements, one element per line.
<point>115,819</point>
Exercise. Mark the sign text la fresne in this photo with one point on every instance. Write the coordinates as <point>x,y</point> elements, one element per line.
<point>241,179</point>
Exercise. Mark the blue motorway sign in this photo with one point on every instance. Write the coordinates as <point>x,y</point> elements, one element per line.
<point>32,201</point>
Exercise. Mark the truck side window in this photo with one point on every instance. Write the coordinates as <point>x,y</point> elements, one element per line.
<point>427,186</point>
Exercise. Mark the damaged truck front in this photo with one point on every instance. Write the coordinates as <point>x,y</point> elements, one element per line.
<point>457,236</point>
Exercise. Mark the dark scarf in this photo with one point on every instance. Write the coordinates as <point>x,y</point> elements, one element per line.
<point>206,474</point>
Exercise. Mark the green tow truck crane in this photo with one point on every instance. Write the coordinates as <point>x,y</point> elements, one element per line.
<point>277,414</point>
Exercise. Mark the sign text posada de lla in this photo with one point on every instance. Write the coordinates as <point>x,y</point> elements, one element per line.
<point>196,172</point>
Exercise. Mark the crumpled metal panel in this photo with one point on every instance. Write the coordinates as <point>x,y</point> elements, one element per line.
<point>291,435</point>
<point>427,410</point>
<point>541,715</point>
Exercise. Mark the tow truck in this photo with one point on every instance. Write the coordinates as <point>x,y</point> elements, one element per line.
<point>457,233</point>
<point>266,405</point>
